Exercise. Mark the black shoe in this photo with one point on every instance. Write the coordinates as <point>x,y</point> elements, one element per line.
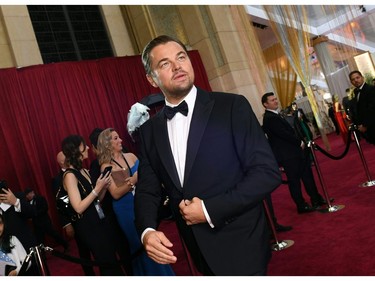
<point>305,208</point>
<point>318,203</point>
<point>282,228</point>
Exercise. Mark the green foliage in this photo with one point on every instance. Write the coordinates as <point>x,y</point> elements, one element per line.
<point>368,78</point>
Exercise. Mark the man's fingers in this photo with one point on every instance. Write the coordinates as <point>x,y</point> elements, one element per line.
<point>157,247</point>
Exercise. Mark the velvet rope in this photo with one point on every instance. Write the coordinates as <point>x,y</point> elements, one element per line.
<point>91,262</point>
<point>332,156</point>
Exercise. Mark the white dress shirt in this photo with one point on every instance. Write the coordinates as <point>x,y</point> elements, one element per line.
<point>178,132</point>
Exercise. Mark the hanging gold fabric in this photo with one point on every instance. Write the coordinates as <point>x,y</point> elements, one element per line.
<point>290,25</point>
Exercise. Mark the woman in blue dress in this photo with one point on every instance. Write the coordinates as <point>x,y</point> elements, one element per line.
<point>122,188</point>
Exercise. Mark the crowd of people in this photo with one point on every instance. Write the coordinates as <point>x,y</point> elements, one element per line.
<point>206,151</point>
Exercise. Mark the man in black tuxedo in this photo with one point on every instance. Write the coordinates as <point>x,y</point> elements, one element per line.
<point>292,154</point>
<point>16,211</point>
<point>215,164</point>
<point>41,220</point>
<point>364,105</point>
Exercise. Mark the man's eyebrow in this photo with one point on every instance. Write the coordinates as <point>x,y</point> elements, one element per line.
<point>165,59</point>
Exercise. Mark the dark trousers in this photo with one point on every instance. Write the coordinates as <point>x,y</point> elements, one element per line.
<point>193,248</point>
<point>297,170</point>
<point>84,253</point>
<point>41,230</point>
<point>269,203</point>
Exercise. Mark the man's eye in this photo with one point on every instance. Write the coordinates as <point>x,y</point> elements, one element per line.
<point>181,58</point>
<point>164,65</point>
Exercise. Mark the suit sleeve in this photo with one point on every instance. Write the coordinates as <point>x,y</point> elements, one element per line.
<point>259,168</point>
<point>369,116</point>
<point>148,190</point>
<point>27,211</point>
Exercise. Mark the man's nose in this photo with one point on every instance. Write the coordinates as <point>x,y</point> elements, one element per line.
<point>176,65</point>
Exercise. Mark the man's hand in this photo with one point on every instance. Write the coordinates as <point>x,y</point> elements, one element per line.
<point>156,245</point>
<point>192,211</point>
<point>8,197</point>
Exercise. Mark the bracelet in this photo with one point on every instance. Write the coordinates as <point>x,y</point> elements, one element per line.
<point>95,193</point>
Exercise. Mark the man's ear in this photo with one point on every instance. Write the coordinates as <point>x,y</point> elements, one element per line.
<point>151,80</point>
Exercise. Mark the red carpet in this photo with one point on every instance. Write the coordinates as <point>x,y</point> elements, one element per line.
<point>325,244</point>
<point>337,243</point>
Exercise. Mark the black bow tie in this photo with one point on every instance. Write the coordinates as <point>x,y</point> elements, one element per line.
<point>171,111</point>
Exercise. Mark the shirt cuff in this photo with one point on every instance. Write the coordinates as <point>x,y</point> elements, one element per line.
<point>207,215</point>
<point>145,231</point>
<point>17,206</point>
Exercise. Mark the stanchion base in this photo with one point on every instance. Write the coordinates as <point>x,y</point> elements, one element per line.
<point>331,209</point>
<point>281,245</point>
<point>367,184</point>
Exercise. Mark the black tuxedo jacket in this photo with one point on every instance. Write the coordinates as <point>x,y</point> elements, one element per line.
<point>284,141</point>
<point>17,223</point>
<point>229,165</point>
<point>365,110</point>
<point>41,218</point>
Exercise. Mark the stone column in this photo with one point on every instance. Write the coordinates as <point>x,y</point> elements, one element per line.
<point>118,33</point>
<point>18,38</point>
<point>336,78</point>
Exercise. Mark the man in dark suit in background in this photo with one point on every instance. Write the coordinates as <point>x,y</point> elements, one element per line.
<point>215,164</point>
<point>16,211</point>
<point>292,154</point>
<point>364,105</point>
<point>41,220</point>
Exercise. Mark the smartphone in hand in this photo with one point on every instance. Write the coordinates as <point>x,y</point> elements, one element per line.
<point>106,170</point>
<point>3,184</point>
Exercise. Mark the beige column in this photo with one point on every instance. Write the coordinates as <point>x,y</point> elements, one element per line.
<point>17,37</point>
<point>214,32</point>
<point>337,78</point>
<point>117,31</point>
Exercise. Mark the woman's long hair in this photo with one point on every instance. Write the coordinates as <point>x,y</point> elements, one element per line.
<point>104,146</point>
<point>5,244</point>
<point>70,148</point>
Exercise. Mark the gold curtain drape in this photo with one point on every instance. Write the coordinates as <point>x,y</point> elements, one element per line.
<point>289,23</point>
<point>283,77</point>
<point>265,65</point>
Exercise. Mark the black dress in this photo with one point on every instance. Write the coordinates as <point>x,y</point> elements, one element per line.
<point>95,232</point>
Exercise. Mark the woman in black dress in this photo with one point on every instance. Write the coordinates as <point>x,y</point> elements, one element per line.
<point>90,224</point>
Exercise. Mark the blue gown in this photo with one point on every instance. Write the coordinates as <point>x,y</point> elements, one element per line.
<point>142,264</point>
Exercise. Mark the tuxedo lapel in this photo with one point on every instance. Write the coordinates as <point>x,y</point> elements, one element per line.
<point>160,132</point>
<point>202,110</point>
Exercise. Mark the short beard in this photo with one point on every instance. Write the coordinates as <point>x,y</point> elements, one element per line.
<point>178,93</point>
